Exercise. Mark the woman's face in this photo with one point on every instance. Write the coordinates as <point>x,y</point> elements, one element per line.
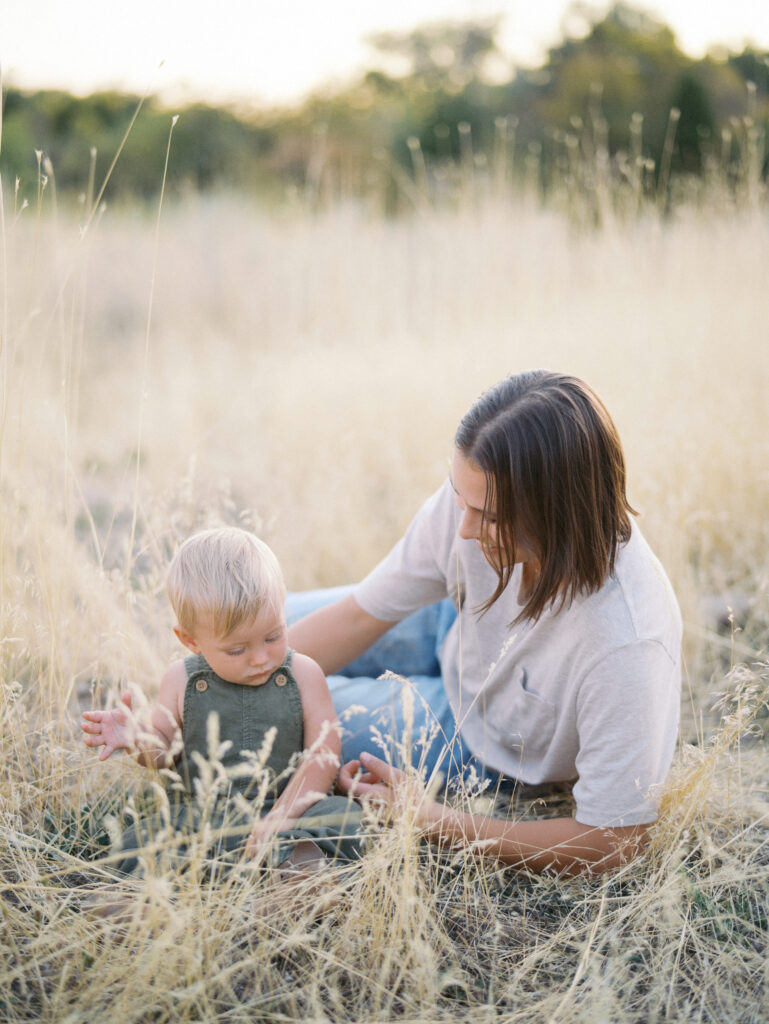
<point>469,483</point>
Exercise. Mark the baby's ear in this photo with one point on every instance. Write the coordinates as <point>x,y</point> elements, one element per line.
<point>187,639</point>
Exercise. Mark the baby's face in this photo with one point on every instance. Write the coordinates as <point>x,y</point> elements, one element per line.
<point>249,654</point>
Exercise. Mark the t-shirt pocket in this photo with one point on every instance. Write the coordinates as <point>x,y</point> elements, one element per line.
<point>523,721</point>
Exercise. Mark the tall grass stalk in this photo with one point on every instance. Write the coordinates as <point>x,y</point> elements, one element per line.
<point>145,365</point>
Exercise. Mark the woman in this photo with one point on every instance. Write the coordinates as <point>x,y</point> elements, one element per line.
<point>561,661</point>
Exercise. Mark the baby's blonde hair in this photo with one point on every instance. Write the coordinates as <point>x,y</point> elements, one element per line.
<point>227,574</point>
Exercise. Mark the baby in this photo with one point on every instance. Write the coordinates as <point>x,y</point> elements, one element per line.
<point>259,772</point>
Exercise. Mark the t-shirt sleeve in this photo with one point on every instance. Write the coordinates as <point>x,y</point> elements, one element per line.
<point>413,575</point>
<point>627,720</point>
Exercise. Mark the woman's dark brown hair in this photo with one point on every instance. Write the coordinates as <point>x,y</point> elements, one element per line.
<point>555,473</point>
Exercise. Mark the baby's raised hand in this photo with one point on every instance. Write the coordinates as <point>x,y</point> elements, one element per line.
<point>114,730</point>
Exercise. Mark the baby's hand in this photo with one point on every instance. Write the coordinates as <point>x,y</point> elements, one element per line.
<point>113,730</point>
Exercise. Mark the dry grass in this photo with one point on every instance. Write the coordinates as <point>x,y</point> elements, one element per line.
<point>305,374</point>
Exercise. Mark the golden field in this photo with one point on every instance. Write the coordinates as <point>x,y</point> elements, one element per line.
<point>303,372</point>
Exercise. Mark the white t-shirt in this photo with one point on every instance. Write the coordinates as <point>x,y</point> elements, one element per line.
<point>590,692</point>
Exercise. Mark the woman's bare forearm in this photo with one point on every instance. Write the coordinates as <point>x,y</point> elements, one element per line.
<point>560,845</point>
<point>336,634</point>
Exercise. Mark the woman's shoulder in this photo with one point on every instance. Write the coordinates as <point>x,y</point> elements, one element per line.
<point>637,602</point>
<point>644,583</point>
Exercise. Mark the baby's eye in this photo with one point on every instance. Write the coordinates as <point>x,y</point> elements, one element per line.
<point>275,637</point>
<point>235,652</point>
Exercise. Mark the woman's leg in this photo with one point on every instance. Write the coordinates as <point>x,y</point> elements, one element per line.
<point>410,648</point>
<point>404,720</point>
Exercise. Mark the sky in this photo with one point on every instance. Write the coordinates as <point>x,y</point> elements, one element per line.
<point>271,52</point>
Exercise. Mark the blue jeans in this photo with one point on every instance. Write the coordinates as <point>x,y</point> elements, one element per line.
<point>401,719</point>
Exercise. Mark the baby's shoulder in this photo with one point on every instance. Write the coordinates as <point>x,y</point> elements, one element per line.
<point>176,674</point>
<point>173,684</point>
<point>305,670</point>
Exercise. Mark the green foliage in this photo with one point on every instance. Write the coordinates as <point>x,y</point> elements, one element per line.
<point>627,64</point>
<point>429,97</point>
<point>696,125</point>
<point>752,66</point>
<point>212,147</point>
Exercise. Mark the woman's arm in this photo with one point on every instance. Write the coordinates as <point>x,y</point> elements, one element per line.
<point>151,735</point>
<point>336,634</point>
<point>561,845</point>
<point>318,768</point>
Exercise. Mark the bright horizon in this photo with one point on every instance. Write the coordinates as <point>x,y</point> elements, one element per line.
<point>276,51</point>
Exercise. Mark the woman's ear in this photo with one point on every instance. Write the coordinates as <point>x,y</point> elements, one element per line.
<point>187,639</point>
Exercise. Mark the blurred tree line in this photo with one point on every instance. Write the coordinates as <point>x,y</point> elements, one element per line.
<point>443,96</point>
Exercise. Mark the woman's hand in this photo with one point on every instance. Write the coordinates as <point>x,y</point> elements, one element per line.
<point>561,845</point>
<point>375,781</point>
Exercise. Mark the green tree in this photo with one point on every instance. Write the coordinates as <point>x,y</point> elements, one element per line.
<point>428,100</point>
<point>696,126</point>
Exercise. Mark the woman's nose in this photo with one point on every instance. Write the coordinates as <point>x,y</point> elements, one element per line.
<point>470,525</point>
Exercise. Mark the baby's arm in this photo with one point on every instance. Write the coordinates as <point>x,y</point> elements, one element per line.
<point>320,762</point>
<point>151,735</point>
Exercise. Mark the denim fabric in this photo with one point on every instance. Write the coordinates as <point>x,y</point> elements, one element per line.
<point>403,719</point>
<point>411,647</point>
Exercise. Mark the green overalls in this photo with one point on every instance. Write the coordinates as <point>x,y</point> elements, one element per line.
<point>241,745</point>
